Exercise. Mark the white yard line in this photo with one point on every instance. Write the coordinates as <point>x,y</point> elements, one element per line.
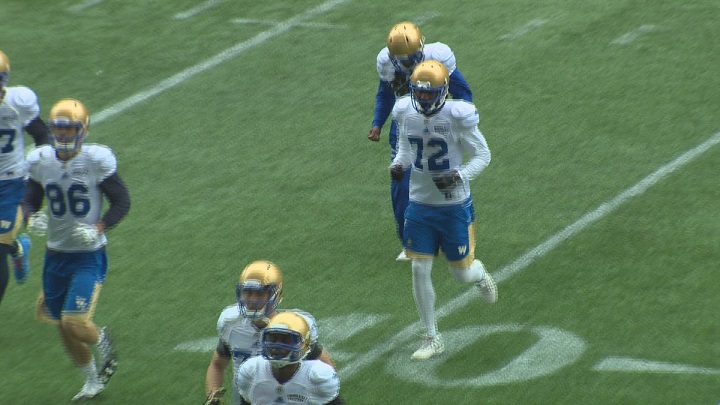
<point>634,34</point>
<point>216,60</point>
<point>197,9</point>
<point>531,25</point>
<point>425,18</point>
<point>84,5</point>
<point>533,254</point>
<point>271,22</point>
<point>648,366</point>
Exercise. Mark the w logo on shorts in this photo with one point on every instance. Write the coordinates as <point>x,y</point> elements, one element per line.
<point>462,250</point>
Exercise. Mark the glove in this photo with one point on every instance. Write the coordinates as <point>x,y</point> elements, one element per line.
<point>400,85</point>
<point>86,234</point>
<point>447,181</point>
<point>37,223</point>
<point>215,397</point>
<point>397,172</point>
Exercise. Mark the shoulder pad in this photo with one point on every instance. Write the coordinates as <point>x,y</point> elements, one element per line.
<point>230,312</point>
<point>23,96</point>
<point>321,373</point>
<point>401,106</point>
<point>385,68</point>
<point>464,112</point>
<point>441,52</point>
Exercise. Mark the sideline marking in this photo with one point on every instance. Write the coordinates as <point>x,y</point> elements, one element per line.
<point>531,25</point>
<point>649,366</point>
<point>532,255</point>
<point>272,22</point>
<point>425,18</point>
<point>210,63</point>
<point>634,34</point>
<point>84,5</point>
<point>197,9</point>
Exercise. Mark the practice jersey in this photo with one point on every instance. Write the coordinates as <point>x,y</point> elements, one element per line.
<point>314,383</point>
<point>435,51</point>
<point>17,109</point>
<point>438,144</point>
<point>242,337</point>
<point>73,192</point>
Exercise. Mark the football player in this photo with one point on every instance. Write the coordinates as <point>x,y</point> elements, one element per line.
<point>19,113</point>
<point>76,177</point>
<point>259,291</point>
<point>283,375</point>
<point>405,49</point>
<point>435,135</point>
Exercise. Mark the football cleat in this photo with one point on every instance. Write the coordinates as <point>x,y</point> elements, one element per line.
<point>108,356</point>
<point>402,257</point>
<point>21,259</point>
<point>429,85</point>
<point>488,288</point>
<point>89,391</point>
<point>432,346</point>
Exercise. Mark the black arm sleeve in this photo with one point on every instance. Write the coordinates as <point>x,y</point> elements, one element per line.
<point>243,401</point>
<point>39,131</point>
<point>315,351</point>
<point>117,193</point>
<point>222,349</point>
<point>336,401</point>
<point>32,200</point>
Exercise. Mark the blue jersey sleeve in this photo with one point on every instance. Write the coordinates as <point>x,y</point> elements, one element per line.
<point>384,101</point>
<point>459,88</point>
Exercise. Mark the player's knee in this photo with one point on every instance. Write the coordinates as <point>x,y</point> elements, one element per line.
<point>79,328</point>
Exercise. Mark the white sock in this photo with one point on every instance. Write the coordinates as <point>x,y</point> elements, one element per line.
<point>472,274</point>
<point>89,371</point>
<point>424,293</point>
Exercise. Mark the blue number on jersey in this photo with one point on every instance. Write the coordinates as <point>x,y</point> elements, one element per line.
<point>76,197</point>
<point>8,146</point>
<point>436,161</point>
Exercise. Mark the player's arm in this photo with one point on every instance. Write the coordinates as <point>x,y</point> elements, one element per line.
<point>38,131</point>
<point>118,196</point>
<point>336,401</point>
<point>215,376</point>
<point>384,101</point>
<point>32,199</point>
<point>459,87</point>
<point>478,153</point>
<point>318,352</point>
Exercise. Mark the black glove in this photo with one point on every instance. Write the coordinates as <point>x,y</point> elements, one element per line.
<point>215,397</point>
<point>447,181</point>
<point>397,172</point>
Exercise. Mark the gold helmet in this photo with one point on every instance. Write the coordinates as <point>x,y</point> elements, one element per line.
<point>429,84</point>
<point>68,123</point>
<point>286,339</point>
<point>405,45</point>
<point>4,73</point>
<point>260,289</point>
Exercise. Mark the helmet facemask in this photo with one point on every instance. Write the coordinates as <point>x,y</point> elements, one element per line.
<point>67,136</point>
<point>256,300</point>
<point>282,347</point>
<point>426,99</point>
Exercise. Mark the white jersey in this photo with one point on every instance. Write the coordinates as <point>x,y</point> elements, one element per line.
<point>17,109</point>
<point>314,383</point>
<point>435,51</point>
<point>437,144</point>
<point>242,337</point>
<point>73,192</point>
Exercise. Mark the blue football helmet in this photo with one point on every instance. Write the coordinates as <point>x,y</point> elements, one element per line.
<point>260,289</point>
<point>405,45</point>
<point>429,84</point>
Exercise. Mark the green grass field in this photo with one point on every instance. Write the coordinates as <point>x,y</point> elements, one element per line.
<point>240,129</point>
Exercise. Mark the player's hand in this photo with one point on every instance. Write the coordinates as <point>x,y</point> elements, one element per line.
<point>447,181</point>
<point>215,397</point>
<point>37,223</point>
<point>86,234</point>
<point>397,172</point>
<point>374,134</point>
